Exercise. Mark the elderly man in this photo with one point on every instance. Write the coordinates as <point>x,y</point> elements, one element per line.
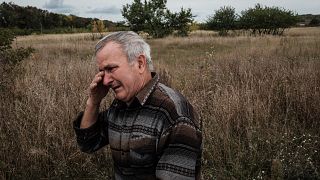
<point>152,130</point>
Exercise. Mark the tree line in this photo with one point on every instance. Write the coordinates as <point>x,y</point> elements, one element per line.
<point>154,18</point>
<point>309,20</point>
<point>258,20</point>
<point>26,20</point>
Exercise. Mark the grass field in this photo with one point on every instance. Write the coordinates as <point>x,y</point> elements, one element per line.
<point>258,99</point>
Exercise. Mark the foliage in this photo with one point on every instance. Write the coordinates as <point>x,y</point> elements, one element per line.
<point>223,20</point>
<point>134,13</point>
<point>37,19</point>
<point>154,18</point>
<point>148,17</point>
<point>258,20</point>
<point>314,22</point>
<point>27,20</point>
<point>307,18</point>
<point>6,38</point>
<point>97,26</point>
<point>7,54</point>
<point>195,26</point>
<point>267,20</point>
<point>9,58</point>
<point>100,26</point>
<point>181,21</point>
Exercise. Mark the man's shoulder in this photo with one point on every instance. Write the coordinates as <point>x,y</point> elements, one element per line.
<point>174,104</point>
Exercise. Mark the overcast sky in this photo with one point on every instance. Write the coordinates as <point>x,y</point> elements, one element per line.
<point>111,9</point>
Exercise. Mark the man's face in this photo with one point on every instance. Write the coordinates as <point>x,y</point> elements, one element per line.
<point>121,76</point>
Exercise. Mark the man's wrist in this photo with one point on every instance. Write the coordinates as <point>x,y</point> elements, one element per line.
<point>91,103</point>
<point>90,114</point>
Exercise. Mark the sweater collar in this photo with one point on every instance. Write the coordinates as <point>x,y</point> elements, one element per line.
<point>142,95</point>
<point>145,92</point>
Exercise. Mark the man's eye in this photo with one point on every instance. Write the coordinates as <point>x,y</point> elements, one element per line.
<point>110,69</point>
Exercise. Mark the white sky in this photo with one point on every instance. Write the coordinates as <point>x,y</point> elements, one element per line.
<point>111,9</point>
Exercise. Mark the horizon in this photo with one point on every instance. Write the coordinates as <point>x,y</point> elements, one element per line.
<point>112,12</point>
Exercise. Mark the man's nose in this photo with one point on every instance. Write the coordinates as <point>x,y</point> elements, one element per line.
<point>107,79</point>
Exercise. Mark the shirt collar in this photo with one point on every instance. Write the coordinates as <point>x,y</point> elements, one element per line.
<point>145,92</point>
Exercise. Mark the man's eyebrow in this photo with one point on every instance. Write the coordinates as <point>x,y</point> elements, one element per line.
<point>108,66</point>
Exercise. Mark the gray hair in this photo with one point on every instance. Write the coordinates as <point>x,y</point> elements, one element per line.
<point>132,45</point>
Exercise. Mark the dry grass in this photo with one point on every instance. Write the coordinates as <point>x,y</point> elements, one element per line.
<point>257,97</point>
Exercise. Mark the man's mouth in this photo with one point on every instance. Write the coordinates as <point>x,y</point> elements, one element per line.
<point>116,87</point>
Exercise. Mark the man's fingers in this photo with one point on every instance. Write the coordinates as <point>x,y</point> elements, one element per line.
<point>93,85</point>
<point>97,79</point>
<point>99,74</point>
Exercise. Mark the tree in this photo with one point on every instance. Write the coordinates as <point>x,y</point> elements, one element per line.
<point>135,15</point>
<point>223,20</point>
<point>181,21</point>
<point>154,18</point>
<point>97,26</point>
<point>28,19</point>
<point>7,16</point>
<point>148,17</point>
<point>314,22</point>
<point>267,20</point>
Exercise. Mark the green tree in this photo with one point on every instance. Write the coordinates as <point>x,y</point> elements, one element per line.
<point>267,20</point>
<point>7,16</point>
<point>314,22</point>
<point>25,20</point>
<point>223,20</point>
<point>154,18</point>
<point>148,16</point>
<point>181,22</point>
<point>135,15</point>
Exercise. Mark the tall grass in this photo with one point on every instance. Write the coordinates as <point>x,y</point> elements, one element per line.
<point>257,97</point>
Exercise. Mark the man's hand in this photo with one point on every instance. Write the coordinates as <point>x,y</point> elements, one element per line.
<point>97,91</point>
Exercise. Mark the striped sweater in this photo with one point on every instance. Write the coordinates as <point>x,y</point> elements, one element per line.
<point>156,137</point>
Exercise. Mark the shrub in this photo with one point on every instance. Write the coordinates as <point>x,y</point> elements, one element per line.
<point>267,20</point>
<point>223,20</point>
<point>10,57</point>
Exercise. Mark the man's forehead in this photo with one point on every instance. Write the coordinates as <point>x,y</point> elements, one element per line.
<point>109,45</point>
<point>110,49</point>
<point>107,58</point>
<point>105,61</point>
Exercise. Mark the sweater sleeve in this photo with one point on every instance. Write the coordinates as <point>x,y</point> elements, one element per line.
<point>182,153</point>
<point>94,137</point>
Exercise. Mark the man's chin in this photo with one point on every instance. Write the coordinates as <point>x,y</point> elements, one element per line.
<point>119,97</point>
<point>123,99</point>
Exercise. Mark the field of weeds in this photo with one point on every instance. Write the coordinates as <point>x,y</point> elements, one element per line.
<point>258,99</point>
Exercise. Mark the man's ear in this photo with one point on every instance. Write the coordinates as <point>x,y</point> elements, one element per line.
<point>142,63</point>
